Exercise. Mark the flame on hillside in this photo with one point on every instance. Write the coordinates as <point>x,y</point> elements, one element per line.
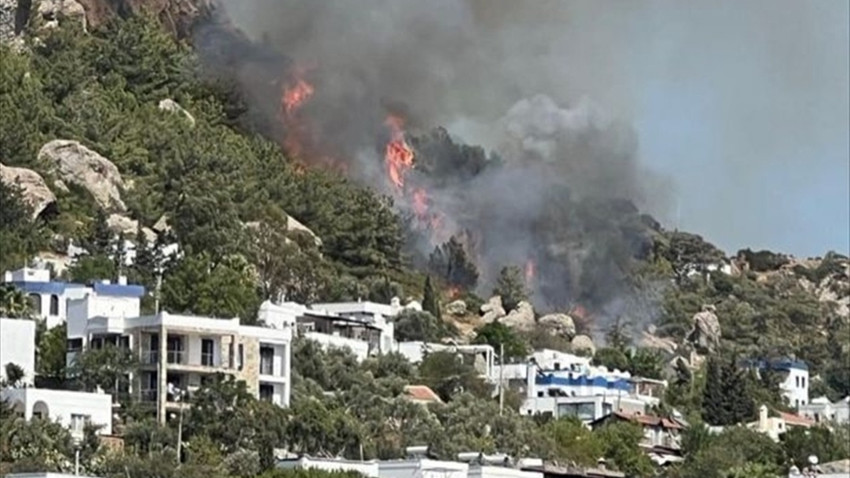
<point>398,155</point>
<point>530,272</point>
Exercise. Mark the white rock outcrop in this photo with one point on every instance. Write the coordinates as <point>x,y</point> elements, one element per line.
<point>174,107</point>
<point>583,343</point>
<point>77,164</point>
<point>52,10</point>
<point>705,333</point>
<point>558,324</point>
<point>492,309</point>
<point>456,308</point>
<point>34,189</point>
<point>521,318</point>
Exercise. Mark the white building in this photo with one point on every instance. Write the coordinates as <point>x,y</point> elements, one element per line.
<point>795,382</point>
<point>563,384</point>
<point>776,424</point>
<point>44,475</point>
<point>50,298</point>
<point>422,468</point>
<point>377,315</point>
<point>480,356</point>
<point>179,353</point>
<point>365,468</point>
<point>821,410</point>
<point>17,346</point>
<point>71,409</point>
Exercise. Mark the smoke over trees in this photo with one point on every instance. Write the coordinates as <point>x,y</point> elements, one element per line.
<point>555,185</point>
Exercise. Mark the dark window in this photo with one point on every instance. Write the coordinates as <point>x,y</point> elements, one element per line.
<point>267,360</point>
<point>75,345</point>
<point>174,347</point>
<point>54,304</point>
<point>266,392</point>
<point>124,341</point>
<point>97,343</point>
<point>557,366</point>
<point>35,302</point>
<point>207,352</point>
<point>241,356</point>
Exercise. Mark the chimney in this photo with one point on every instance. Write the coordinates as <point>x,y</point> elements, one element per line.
<point>763,418</point>
<point>122,280</point>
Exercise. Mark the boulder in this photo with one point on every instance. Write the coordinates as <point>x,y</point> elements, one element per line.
<point>120,224</point>
<point>52,10</point>
<point>173,107</point>
<point>521,318</point>
<point>705,333</point>
<point>34,189</point>
<point>161,225</point>
<point>456,308</point>
<point>558,324</point>
<point>293,224</point>
<point>492,309</point>
<point>74,163</point>
<point>583,343</point>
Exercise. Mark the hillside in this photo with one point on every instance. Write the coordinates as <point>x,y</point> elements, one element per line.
<point>117,140</point>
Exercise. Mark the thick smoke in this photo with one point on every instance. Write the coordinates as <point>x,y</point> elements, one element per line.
<point>557,182</point>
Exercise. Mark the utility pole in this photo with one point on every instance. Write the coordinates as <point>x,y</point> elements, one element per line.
<point>501,377</point>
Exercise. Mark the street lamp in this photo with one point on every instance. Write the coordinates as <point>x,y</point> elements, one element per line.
<point>77,441</point>
<point>178,397</point>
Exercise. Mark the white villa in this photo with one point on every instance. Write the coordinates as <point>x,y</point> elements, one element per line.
<point>563,384</point>
<point>179,353</point>
<point>71,409</point>
<point>821,410</point>
<point>50,299</point>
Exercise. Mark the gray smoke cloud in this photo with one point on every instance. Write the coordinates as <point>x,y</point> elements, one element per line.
<point>557,181</point>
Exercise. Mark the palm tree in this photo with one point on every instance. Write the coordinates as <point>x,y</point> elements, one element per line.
<point>14,303</point>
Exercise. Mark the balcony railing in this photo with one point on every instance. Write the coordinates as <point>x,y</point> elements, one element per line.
<point>208,360</point>
<point>176,357</point>
<point>150,357</point>
<point>266,367</point>
<point>148,395</point>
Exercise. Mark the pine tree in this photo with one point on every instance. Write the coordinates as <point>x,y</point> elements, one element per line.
<point>511,287</point>
<point>99,240</point>
<point>713,397</point>
<point>430,303</point>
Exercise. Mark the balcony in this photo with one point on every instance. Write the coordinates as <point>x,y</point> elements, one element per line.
<point>150,357</point>
<point>148,395</point>
<point>177,357</point>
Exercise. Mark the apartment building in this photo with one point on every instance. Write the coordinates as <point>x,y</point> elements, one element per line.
<point>371,315</point>
<point>180,353</point>
<point>50,298</point>
<point>482,357</point>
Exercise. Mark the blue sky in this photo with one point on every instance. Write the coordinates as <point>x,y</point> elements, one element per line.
<point>742,104</point>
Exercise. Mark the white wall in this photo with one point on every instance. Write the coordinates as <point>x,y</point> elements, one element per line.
<point>61,404</point>
<point>476,471</point>
<point>17,345</point>
<point>422,469</point>
<point>366,468</point>
<point>358,347</point>
<point>796,387</point>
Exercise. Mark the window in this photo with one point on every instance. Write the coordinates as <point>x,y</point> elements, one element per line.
<point>35,302</point>
<point>174,348</point>
<point>240,357</point>
<point>266,392</point>
<point>207,352</point>
<point>54,304</point>
<point>75,345</point>
<point>557,365</point>
<point>78,423</point>
<point>124,342</point>
<point>96,343</point>
<point>803,381</point>
<point>797,381</point>
<point>266,360</point>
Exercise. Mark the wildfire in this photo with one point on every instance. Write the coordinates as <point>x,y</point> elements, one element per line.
<point>420,204</point>
<point>530,271</point>
<point>296,92</point>
<point>399,155</point>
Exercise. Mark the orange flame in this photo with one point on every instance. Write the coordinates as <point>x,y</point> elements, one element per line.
<point>399,155</point>
<point>296,94</point>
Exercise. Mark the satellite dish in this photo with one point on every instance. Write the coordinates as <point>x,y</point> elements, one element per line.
<point>813,460</point>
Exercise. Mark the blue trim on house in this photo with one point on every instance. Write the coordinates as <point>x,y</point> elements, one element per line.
<point>119,290</point>
<point>59,288</point>
<point>782,365</point>
<point>583,380</point>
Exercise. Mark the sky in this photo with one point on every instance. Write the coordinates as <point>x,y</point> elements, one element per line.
<point>742,107</point>
<point>742,104</point>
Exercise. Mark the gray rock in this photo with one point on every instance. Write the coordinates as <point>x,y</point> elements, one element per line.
<point>521,318</point>
<point>558,324</point>
<point>492,310</point>
<point>583,343</point>
<point>161,225</point>
<point>457,308</point>
<point>34,189</point>
<point>52,10</point>
<point>173,107</point>
<point>705,333</point>
<point>120,224</point>
<point>74,163</point>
